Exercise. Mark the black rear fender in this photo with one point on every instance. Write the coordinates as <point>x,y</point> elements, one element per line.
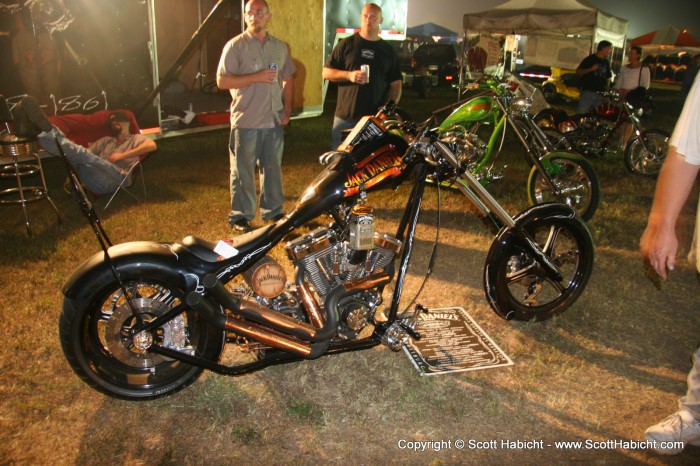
<point>149,259</point>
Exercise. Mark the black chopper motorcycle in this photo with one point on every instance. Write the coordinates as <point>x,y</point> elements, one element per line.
<point>144,319</point>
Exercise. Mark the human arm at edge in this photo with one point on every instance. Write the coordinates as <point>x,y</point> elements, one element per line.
<point>287,98</point>
<point>659,244</point>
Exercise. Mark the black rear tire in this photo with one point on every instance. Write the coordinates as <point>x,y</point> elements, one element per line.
<point>96,341</point>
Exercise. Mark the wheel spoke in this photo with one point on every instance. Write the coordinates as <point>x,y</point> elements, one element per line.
<point>548,247</point>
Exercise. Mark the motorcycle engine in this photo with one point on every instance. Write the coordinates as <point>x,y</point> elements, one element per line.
<point>467,146</point>
<point>587,133</point>
<point>327,260</point>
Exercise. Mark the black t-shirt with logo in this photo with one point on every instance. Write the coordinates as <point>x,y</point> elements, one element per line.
<point>597,80</point>
<point>358,100</point>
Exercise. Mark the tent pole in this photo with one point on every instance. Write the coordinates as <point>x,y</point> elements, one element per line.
<point>460,82</point>
<point>177,65</point>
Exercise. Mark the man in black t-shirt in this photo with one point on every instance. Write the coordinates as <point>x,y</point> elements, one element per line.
<point>359,94</point>
<point>595,73</point>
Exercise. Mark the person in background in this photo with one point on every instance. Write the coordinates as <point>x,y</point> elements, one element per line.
<point>36,57</point>
<point>257,68</point>
<point>359,94</point>
<point>105,162</point>
<point>595,74</point>
<point>632,76</point>
<point>659,246</point>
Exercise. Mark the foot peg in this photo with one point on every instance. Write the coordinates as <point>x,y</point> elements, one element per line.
<point>400,331</point>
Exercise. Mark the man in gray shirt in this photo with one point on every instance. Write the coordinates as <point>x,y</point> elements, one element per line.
<point>257,69</point>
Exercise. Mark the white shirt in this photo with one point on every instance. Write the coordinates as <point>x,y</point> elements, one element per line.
<point>686,140</point>
<point>630,78</point>
<point>686,135</point>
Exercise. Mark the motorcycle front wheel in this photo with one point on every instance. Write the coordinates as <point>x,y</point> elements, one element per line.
<point>645,154</point>
<point>575,179</point>
<point>97,341</point>
<point>518,287</point>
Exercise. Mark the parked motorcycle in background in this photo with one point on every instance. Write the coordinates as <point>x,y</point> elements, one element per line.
<point>476,129</point>
<point>592,134</point>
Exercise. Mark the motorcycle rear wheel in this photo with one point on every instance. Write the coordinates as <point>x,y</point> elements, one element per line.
<point>576,179</point>
<point>516,285</point>
<point>647,158</point>
<point>96,341</point>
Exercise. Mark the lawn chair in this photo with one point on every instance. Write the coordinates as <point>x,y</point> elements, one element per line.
<point>85,129</point>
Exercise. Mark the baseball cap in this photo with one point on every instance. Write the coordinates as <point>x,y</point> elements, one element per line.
<point>119,116</point>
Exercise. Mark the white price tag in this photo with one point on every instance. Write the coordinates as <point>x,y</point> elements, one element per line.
<point>225,250</point>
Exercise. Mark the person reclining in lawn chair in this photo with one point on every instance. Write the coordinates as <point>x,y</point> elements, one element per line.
<point>103,164</point>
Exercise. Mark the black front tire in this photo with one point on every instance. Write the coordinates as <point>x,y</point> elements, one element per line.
<point>645,155</point>
<point>517,286</point>
<point>96,339</point>
<point>575,178</point>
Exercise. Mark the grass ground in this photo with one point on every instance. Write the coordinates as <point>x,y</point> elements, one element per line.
<point>605,370</point>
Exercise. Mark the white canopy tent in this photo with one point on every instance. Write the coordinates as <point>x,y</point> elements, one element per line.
<point>549,17</point>
<point>558,33</point>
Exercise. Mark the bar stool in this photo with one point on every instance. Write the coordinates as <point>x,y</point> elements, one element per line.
<point>20,160</point>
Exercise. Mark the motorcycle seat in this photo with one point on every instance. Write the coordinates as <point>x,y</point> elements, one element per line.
<point>204,249</point>
<point>201,248</point>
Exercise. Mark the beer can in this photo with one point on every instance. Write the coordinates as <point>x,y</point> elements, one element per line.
<point>365,70</point>
<point>273,66</point>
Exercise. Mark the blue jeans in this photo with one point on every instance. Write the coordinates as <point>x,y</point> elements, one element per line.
<point>691,400</point>
<point>588,101</point>
<point>98,175</point>
<point>248,148</point>
<point>340,124</point>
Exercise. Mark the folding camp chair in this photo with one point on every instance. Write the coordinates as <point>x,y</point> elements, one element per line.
<point>138,165</point>
<point>85,129</point>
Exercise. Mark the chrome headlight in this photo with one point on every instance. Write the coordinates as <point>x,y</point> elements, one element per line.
<point>521,105</point>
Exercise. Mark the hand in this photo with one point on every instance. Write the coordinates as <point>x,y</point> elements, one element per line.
<point>595,67</point>
<point>285,120</point>
<point>115,156</point>
<point>659,248</point>
<point>266,76</point>
<point>357,77</point>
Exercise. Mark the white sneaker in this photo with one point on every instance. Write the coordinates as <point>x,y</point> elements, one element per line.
<point>680,427</point>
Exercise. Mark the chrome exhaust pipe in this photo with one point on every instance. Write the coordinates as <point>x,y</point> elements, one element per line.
<point>272,328</point>
<point>257,313</point>
<point>264,335</point>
